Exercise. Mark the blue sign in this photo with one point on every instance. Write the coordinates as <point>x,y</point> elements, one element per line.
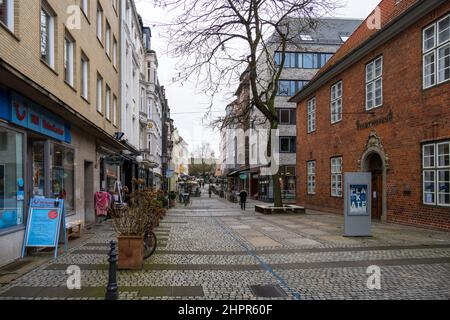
<point>358,199</point>
<point>25,113</point>
<point>45,220</point>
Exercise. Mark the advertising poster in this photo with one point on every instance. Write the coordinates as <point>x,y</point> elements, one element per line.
<point>43,228</point>
<point>358,199</point>
<point>46,222</point>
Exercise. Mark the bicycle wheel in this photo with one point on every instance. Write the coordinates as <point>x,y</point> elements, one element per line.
<point>150,243</point>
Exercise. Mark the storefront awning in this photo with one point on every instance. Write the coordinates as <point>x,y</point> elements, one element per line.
<point>244,170</point>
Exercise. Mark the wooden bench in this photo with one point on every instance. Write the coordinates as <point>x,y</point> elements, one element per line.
<point>267,209</point>
<point>73,230</point>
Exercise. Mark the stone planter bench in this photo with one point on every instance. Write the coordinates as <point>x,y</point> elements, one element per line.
<point>267,209</point>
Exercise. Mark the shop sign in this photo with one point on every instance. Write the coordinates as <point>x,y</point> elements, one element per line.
<point>46,220</point>
<point>27,114</point>
<point>170,173</point>
<point>243,176</point>
<point>114,160</point>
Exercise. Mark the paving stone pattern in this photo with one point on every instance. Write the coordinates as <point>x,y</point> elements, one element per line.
<point>213,250</point>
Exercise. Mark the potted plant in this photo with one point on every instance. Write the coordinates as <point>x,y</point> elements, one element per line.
<point>172,198</point>
<point>131,222</point>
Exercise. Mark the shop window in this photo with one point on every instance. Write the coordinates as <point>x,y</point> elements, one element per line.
<point>436,173</point>
<point>38,167</point>
<point>11,179</point>
<point>62,168</point>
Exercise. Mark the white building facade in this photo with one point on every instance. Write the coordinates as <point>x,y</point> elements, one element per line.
<point>132,57</point>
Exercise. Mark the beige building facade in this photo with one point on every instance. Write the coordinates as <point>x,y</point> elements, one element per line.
<point>59,109</point>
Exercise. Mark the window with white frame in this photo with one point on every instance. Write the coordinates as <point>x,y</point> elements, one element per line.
<point>47,36</point>
<point>336,177</point>
<point>7,13</point>
<point>374,83</point>
<point>84,76</point>
<point>69,56</point>
<point>108,39</point>
<point>336,102</point>
<point>436,52</point>
<point>108,102</point>
<point>114,53</point>
<point>99,93</point>
<point>85,7</point>
<point>114,110</point>
<point>311,177</point>
<point>436,173</point>
<point>99,22</point>
<point>311,115</point>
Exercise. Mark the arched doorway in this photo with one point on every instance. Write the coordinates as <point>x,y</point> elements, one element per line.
<point>375,160</point>
<point>374,164</point>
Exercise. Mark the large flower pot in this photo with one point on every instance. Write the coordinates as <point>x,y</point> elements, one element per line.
<point>131,252</point>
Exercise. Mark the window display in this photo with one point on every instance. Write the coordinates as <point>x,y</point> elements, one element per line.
<point>63,175</point>
<point>11,179</point>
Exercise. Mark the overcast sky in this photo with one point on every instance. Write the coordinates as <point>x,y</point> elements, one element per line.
<point>187,105</point>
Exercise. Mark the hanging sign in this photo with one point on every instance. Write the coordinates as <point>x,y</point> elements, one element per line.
<point>46,219</point>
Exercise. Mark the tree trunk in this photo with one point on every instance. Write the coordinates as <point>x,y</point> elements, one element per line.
<point>277,198</point>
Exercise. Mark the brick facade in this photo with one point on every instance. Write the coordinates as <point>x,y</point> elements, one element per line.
<point>408,117</point>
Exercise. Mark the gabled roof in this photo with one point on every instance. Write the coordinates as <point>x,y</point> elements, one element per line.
<point>391,12</point>
<point>319,30</point>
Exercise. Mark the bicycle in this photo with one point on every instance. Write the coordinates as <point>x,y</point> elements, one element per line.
<point>150,240</point>
<point>187,199</point>
<point>150,243</point>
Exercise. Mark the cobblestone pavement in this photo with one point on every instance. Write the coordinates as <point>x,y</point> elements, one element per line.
<point>213,250</point>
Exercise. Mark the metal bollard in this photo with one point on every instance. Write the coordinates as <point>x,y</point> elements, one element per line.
<point>112,291</point>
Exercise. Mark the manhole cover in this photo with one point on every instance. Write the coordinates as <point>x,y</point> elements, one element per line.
<point>268,291</point>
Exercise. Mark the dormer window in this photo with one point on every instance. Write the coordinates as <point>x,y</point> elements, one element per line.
<point>306,37</point>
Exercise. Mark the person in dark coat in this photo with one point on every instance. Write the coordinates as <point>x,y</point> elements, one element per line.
<point>243,199</point>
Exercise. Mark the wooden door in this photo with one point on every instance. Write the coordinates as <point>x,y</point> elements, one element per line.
<point>377,195</point>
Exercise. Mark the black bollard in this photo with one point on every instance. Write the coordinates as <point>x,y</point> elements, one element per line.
<point>112,291</point>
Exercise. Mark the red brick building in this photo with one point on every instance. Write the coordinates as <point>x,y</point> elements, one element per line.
<point>382,105</point>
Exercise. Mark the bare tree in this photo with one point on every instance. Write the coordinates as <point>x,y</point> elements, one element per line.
<point>217,40</point>
<point>203,161</point>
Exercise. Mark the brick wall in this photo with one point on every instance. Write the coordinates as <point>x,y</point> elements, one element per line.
<point>418,116</point>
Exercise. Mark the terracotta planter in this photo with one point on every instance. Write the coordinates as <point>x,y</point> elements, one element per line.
<point>131,252</point>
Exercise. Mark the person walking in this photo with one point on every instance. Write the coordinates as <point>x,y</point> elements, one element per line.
<point>210,192</point>
<point>243,199</point>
